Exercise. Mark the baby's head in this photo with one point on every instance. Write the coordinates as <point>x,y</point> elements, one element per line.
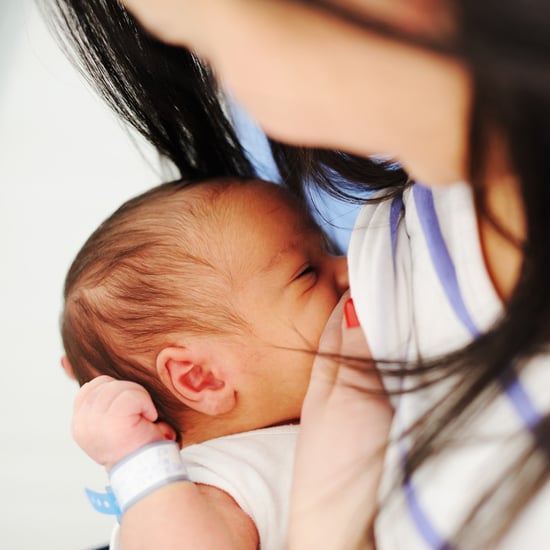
<point>211,295</point>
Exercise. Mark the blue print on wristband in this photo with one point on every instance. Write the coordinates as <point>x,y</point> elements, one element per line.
<point>104,503</point>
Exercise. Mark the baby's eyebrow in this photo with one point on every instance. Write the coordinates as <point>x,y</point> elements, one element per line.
<point>297,241</point>
<point>279,256</point>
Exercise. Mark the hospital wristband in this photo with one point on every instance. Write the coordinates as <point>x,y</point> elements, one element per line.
<point>145,471</point>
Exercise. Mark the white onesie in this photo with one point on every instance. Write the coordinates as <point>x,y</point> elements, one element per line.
<point>255,468</point>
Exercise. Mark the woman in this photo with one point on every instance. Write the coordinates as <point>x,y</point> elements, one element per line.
<point>454,91</point>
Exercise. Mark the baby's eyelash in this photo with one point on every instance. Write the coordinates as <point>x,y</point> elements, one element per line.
<point>307,270</point>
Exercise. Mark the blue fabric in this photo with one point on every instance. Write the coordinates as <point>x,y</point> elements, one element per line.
<point>335,217</point>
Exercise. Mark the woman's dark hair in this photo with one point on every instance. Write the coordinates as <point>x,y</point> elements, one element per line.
<point>172,99</point>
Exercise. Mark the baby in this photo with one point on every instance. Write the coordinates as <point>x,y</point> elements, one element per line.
<point>196,311</point>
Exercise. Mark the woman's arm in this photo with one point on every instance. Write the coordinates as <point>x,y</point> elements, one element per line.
<point>114,418</point>
<point>343,436</point>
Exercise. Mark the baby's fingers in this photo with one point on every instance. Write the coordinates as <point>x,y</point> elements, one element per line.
<point>87,393</point>
<point>105,396</point>
<point>132,400</point>
<point>112,418</point>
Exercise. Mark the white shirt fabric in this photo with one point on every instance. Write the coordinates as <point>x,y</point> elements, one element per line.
<point>420,288</point>
<point>255,468</point>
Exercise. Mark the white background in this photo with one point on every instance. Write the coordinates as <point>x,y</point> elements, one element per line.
<point>65,164</point>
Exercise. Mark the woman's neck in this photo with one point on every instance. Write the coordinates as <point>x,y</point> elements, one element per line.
<point>503,230</point>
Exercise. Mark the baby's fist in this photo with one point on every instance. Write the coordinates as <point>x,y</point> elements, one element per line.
<point>113,418</point>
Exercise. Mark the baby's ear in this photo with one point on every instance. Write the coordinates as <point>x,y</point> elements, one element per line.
<point>67,367</point>
<point>191,377</point>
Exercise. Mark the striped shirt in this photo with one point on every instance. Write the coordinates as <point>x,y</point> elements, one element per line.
<point>421,289</point>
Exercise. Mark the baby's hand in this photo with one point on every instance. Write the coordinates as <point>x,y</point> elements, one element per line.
<point>113,418</point>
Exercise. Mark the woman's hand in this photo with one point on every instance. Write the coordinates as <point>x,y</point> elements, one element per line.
<point>344,430</point>
<point>304,76</point>
<point>312,79</point>
<point>113,418</point>
<point>177,21</point>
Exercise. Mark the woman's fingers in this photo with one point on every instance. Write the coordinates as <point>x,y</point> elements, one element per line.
<point>177,21</point>
<point>342,437</point>
<point>344,355</point>
<point>325,369</point>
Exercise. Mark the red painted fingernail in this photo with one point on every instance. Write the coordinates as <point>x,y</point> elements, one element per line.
<point>350,314</point>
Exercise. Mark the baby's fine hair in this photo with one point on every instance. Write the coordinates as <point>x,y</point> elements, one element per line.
<point>143,277</point>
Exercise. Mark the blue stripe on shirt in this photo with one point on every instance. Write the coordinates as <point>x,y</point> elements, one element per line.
<point>446,273</point>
